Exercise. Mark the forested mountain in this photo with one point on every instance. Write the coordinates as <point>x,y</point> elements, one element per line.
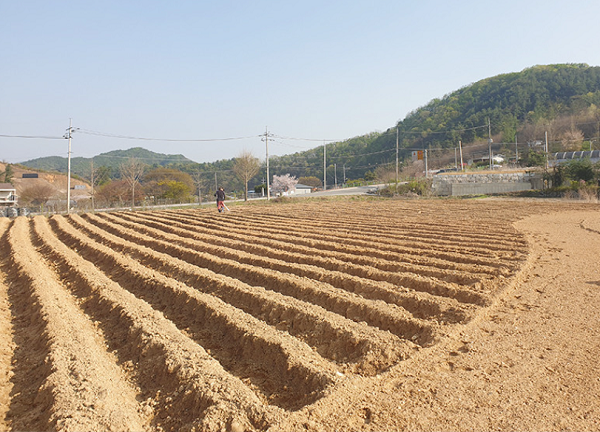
<point>112,160</point>
<point>509,100</point>
<point>563,100</point>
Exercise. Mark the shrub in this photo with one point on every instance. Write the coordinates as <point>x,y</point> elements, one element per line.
<point>580,169</point>
<point>420,187</point>
<point>582,191</point>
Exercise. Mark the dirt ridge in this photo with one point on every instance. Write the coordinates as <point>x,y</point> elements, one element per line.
<point>282,324</point>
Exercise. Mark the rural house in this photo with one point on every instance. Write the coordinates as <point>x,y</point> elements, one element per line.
<point>8,194</point>
<point>303,189</point>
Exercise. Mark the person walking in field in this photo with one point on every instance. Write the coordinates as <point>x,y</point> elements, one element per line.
<point>220,194</point>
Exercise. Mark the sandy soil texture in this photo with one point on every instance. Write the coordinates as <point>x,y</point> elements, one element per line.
<point>344,315</point>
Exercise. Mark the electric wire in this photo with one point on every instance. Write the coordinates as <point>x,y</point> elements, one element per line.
<point>275,140</point>
<point>109,135</point>
<point>31,137</point>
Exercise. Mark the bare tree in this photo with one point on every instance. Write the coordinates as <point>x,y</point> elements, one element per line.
<point>246,166</point>
<point>131,172</point>
<point>572,139</point>
<point>385,174</point>
<point>113,193</point>
<point>93,178</point>
<point>38,194</point>
<point>199,182</point>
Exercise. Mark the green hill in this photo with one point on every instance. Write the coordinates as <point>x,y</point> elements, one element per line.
<point>82,166</point>
<point>561,99</point>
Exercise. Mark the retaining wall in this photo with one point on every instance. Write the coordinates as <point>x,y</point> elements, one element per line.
<point>456,184</point>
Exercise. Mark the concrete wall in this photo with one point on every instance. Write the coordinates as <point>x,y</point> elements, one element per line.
<point>457,184</point>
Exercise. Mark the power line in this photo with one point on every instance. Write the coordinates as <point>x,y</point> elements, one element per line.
<point>31,137</point>
<point>362,154</point>
<point>109,135</point>
<point>441,132</point>
<point>345,156</point>
<point>130,137</point>
<point>307,139</point>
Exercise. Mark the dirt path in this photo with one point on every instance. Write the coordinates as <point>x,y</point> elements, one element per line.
<point>530,362</point>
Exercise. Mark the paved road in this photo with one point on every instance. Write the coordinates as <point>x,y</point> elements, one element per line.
<point>360,190</point>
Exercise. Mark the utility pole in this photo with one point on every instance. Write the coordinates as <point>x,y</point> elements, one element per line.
<point>490,142</point>
<point>92,182</point>
<point>324,166</point>
<point>426,169</point>
<point>396,155</point>
<point>455,160</point>
<point>344,174</point>
<point>216,184</point>
<point>462,167</point>
<point>68,136</point>
<point>266,140</point>
<point>335,174</point>
<point>546,148</point>
<point>516,150</point>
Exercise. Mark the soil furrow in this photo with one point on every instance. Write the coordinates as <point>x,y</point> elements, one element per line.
<point>245,346</point>
<point>457,227</point>
<point>416,254</point>
<point>419,304</point>
<point>77,384</point>
<point>439,239</point>
<point>458,232</point>
<point>477,293</point>
<point>297,315</point>
<point>384,261</point>
<point>7,345</point>
<point>377,313</point>
<point>183,385</point>
<point>334,337</point>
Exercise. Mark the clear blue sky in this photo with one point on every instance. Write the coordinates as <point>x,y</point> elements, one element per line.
<point>323,70</point>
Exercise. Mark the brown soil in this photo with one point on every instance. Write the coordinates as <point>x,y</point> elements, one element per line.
<point>354,315</point>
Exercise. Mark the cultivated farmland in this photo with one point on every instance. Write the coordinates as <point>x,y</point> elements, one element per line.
<point>256,319</point>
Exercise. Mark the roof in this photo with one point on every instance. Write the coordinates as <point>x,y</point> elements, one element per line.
<point>578,155</point>
<point>7,186</point>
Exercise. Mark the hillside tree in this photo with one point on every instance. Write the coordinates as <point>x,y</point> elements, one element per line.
<point>114,193</point>
<point>245,168</point>
<point>311,181</point>
<point>8,174</point>
<point>131,172</point>
<point>98,177</point>
<point>168,183</point>
<point>37,194</point>
<point>200,183</point>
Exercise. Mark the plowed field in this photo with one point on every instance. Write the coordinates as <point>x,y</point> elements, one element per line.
<point>307,316</point>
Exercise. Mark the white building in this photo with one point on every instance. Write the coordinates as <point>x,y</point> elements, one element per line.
<point>8,194</point>
<point>302,189</point>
